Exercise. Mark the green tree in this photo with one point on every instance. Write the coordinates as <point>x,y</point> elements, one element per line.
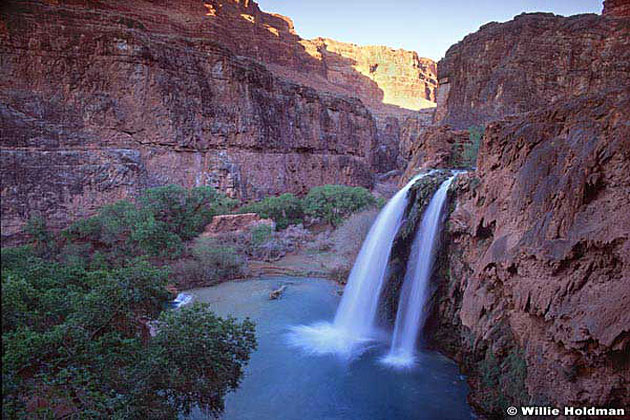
<point>77,339</point>
<point>333,203</point>
<point>471,150</point>
<point>185,212</point>
<point>284,210</point>
<point>157,225</point>
<point>197,358</point>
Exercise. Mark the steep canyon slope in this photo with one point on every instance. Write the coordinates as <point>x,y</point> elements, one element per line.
<point>100,101</point>
<point>535,277</point>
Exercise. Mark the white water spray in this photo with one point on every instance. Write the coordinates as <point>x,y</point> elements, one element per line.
<point>354,322</point>
<point>411,312</point>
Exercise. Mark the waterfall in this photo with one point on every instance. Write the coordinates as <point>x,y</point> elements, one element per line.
<point>411,312</point>
<point>355,318</point>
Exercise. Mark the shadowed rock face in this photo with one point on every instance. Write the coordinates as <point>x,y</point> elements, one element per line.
<point>534,281</point>
<point>538,265</point>
<point>616,8</point>
<point>100,102</point>
<point>530,62</point>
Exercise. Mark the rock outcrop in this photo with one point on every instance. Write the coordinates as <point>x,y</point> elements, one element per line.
<point>235,223</point>
<point>530,62</point>
<point>99,100</point>
<point>534,279</point>
<point>537,278</point>
<point>616,8</point>
<point>380,75</point>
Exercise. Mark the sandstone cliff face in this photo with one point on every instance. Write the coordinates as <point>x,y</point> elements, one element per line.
<point>534,279</point>
<point>616,8</point>
<point>528,63</point>
<point>397,77</point>
<point>536,282</point>
<point>100,102</point>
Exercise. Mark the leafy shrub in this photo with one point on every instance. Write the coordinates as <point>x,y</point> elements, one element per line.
<point>158,225</point>
<point>198,358</point>
<point>186,212</point>
<point>211,263</point>
<point>42,239</point>
<point>333,203</point>
<point>224,260</point>
<point>123,230</point>
<point>261,234</point>
<point>284,210</point>
<point>76,340</point>
<point>464,154</point>
<point>471,150</point>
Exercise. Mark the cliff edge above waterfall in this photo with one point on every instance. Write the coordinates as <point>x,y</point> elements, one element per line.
<point>534,279</point>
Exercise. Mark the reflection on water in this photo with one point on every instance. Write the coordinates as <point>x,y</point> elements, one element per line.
<point>283,382</point>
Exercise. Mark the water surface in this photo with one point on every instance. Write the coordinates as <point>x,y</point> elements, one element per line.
<point>281,382</point>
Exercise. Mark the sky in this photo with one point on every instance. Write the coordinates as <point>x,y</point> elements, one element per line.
<point>428,27</point>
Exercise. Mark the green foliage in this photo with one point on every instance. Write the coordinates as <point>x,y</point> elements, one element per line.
<point>186,212</point>
<point>284,210</point>
<point>260,234</point>
<point>503,380</point>
<point>333,203</point>
<point>42,239</point>
<point>380,202</point>
<point>471,150</point>
<point>157,226</point>
<point>199,357</point>
<point>211,263</point>
<point>76,338</point>
<point>464,154</point>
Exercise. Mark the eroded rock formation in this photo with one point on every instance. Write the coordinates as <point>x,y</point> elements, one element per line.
<point>616,8</point>
<point>528,63</point>
<point>99,101</point>
<point>535,277</point>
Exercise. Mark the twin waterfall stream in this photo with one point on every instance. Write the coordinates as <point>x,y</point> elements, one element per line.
<point>354,326</point>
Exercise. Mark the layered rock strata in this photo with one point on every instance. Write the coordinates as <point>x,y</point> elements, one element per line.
<point>535,279</point>
<point>530,62</point>
<point>100,101</point>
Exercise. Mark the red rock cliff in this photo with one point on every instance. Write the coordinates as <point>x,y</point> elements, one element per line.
<point>616,8</point>
<point>535,278</point>
<point>534,296</point>
<point>528,63</point>
<point>101,101</point>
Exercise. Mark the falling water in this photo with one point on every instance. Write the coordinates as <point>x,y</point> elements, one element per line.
<point>411,307</point>
<point>355,318</point>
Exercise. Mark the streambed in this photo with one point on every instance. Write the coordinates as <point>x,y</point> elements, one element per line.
<point>281,382</point>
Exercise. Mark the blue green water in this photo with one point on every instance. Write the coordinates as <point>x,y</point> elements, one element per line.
<point>282,382</point>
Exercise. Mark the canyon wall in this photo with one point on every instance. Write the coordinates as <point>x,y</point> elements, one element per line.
<point>528,63</point>
<point>534,279</point>
<point>99,102</point>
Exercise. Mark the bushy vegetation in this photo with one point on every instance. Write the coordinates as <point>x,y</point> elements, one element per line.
<point>333,203</point>
<point>77,310</point>
<point>329,203</point>
<point>75,341</point>
<point>157,225</point>
<point>284,210</point>
<point>211,263</point>
<point>471,150</point>
<point>464,154</point>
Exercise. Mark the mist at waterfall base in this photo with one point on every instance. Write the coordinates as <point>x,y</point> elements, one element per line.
<point>282,383</point>
<point>353,329</point>
<point>412,305</point>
